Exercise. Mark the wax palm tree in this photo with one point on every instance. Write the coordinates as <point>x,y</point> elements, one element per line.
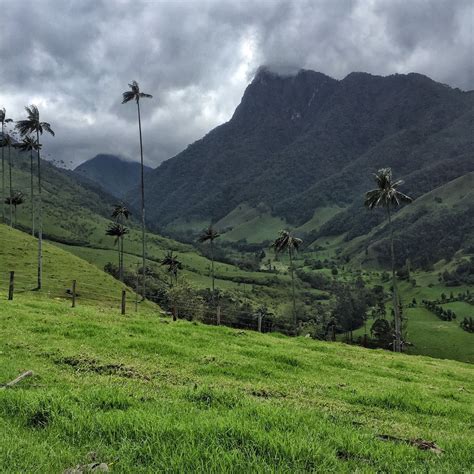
<point>387,196</point>
<point>209,235</point>
<point>33,125</point>
<point>286,242</point>
<point>118,231</point>
<point>8,141</point>
<point>171,261</point>
<point>15,199</point>
<point>136,95</point>
<point>28,143</point>
<point>4,120</point>
<point>121,213</point>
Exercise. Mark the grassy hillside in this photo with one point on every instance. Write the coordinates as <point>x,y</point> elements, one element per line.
<point>146,395</point>
<point>18,253</point>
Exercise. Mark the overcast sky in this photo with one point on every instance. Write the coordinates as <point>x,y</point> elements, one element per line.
<point>74,58</point>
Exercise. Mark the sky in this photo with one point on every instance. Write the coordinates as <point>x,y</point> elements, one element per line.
<point>74,58</point>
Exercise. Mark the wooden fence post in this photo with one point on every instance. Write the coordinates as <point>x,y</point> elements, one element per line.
<point>73,293</point>
<point>124,299</point>
<point>11,286</point>
<point>218,314</point>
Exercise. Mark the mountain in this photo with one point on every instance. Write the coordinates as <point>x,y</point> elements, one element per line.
<point>298,144</point>
<point>116,175</point>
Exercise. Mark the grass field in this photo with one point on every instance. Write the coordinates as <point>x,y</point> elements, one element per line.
<point>148,395</point>
<point>18,253</point>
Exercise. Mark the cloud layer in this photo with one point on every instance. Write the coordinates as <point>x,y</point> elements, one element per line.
<point>74,59</point>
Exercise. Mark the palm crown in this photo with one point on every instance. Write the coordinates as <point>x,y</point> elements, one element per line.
<point>3,118</point>
<point>116,230</point>
<point>172,262</point>
<point>286,242</point>
<point>134,93</point>
<point>7,140</point>
<point>120,211</point>
<point>15,199</point>
<point>28,143</point>
<point>209,234</point>
<point>386,194</point>
<point>32,123</point>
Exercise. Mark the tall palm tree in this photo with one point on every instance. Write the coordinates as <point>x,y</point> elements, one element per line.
<point>286,242</point>
<point>15,199</point>
<point>33,125</point>
<point>387,196</point>
<point>209,235</point>
<point>4,120</point>
<point>118,231</point>
<point>173,264</point>
<point>28,143</point>
<point>7,141</point>
<point>136,95</point>
<point>121,213</point>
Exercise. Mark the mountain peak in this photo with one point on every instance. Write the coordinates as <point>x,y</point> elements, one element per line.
<point>114,173</point>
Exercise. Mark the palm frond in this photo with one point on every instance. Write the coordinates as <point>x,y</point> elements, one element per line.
<point>47,128</point>
<point>127,97</point>
<point>386,193</point>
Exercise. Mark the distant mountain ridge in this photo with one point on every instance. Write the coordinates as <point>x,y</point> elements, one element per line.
<point>298,143</point>
<point>114,174</point>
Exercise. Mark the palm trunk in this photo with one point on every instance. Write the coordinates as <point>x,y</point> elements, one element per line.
<point>3,176</point>
<point>32,196</point>
<point>143,201</point>
<point>119,259</point>
<point>10,185</point>
<point>292,286</point>
<point>396,309</point>
<point>122,262</point>
<point>40,221</point>
<point>212,269</point>
<point>14,211</point>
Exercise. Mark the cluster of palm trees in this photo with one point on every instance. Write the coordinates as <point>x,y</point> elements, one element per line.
<point>30,130</point>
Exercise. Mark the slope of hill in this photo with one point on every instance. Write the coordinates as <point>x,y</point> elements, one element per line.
<point>18,253</point>
<point>434,227</point>
<point>298,143</point>
<point>114,174</point>
<point>146,396</point>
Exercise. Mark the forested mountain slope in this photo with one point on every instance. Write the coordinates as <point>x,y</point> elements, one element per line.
<point>296,143</point>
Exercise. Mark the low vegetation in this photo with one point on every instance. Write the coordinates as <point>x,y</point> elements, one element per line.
<point>143,394</point>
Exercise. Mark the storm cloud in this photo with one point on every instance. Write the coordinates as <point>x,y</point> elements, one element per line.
<point>74,59</point>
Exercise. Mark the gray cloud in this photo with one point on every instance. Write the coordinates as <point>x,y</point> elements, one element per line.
<point>74,59</point>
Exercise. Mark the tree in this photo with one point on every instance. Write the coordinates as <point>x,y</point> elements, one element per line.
<point>118,231</point>
<point>186,302</point>
<point>28,143</point>
<point>171,261</point>
<point>15,199</point>
<point>3,120</point>
<point>136,95</point>
<point>7,141</point>
<point>286,242</point>
<point>121,213</point>
<point>209,235</point>
<point>387,196</point>
<point>33,125</point>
